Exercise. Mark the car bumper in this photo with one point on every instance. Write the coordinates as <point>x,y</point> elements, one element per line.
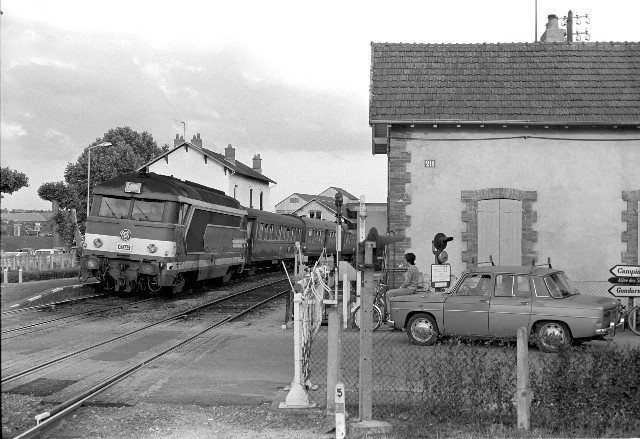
<point>611,329</point>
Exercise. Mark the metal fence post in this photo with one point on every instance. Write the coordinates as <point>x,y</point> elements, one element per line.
<point>523,392</point>
<point>297,396</point>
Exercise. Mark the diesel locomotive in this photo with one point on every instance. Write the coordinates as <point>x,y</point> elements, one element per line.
<point>147,231</point>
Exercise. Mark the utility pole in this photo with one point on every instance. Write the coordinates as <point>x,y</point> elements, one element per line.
<point>568,20</point>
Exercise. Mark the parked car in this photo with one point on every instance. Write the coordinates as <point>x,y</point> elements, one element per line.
<point>26,250</point>
<point>494,301</point>
<point>48,251</point>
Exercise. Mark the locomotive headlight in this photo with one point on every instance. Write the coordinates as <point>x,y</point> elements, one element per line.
<point>152,248</point>
<point>97,243</point>
<point>92,264</point>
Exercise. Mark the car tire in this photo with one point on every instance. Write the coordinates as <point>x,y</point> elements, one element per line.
<point>551,337</point>
<point>422,330</point>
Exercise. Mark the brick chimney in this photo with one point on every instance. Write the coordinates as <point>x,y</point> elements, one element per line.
<point>230,154</point>
<point>257,163</point>
<point>178,140</point>
<point>553,34</point>
<point>197,141</point>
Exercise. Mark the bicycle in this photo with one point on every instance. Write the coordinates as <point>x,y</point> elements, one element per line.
<point>379,306</point>
<point>633,319</point>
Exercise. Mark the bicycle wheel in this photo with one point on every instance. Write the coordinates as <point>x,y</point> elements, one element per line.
<point>377,318</point>
<point>633,320</point>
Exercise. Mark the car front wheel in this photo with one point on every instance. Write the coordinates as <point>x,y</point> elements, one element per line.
<point>422,330</point>
<point>552,336</point>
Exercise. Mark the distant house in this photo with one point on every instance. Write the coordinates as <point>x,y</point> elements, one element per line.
<point>25,223</point>
<point>519,151</point>
<point>323,206</point>
<point>192,162</point>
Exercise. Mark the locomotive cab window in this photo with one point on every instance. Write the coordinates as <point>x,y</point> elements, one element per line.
<point>148,210</point>
<point>114,207</point>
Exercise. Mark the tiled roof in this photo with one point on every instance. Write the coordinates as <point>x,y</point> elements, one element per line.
<point>527,82</point>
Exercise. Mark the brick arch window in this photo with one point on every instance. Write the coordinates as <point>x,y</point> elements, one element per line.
<point>470,216</point>
<point>630,236</point>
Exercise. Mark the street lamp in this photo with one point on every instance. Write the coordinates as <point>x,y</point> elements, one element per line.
<point>89,171</point>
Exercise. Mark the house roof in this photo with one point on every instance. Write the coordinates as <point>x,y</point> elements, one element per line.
<point>344,193</point>
<point>237,167</point>
<point>528,83</point>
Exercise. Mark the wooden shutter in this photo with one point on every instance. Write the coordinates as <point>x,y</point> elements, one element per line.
<point>510,232</point>
<point>500,231</point>
<point>488,230</point>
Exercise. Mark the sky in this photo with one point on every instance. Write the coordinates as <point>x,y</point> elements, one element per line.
<point>288,80</point>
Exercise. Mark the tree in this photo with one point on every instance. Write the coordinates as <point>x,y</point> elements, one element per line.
<point>12,180</point>
<point>129,151</point>
<point>59,192</point>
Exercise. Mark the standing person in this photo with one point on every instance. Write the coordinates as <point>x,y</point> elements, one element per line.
<point>410,284</point>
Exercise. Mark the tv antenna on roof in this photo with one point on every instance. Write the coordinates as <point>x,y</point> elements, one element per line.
<point>184,128</point>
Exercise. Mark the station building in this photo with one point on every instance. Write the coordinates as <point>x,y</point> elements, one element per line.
<point>521,152</point>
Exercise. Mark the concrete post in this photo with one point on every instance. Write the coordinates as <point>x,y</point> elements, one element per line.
<point>366,348</point>
<point>5,278</point>
<point>523,392</point>
<point>334,356</point>
<point>346,297</point>
<point>20,275</point>
<point>341,418</point>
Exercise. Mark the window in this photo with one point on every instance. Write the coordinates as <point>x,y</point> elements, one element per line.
<point>475,285</point>
<point>315,214</point>
<point>147,210</point>
<point>294,200</point>
<point>504,285</point>
<point>261,197</point>
<point>114,207</point>
<point>512,286</point>
<point>251,198</point>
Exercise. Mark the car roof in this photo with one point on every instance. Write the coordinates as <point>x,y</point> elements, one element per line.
<point>514,269</point>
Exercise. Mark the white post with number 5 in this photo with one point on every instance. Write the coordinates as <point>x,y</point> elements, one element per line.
<point>340,412</point>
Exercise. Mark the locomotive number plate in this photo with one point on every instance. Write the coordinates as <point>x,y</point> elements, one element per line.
<point>124,247</point>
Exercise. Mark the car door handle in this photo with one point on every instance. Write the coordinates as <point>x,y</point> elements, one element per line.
<point>525,303</point>
<point>485,301</point>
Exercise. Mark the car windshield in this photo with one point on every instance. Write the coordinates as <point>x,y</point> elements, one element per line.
<point>559,286</point>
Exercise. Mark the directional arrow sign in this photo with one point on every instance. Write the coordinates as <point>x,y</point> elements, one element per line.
<point>625,290</point>
<point>626,271</point>
<point>625,280</point>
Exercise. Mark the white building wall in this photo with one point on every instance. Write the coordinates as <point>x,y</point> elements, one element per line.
<point>579,188</point>
<point>242,191</point>
<point>189,165</point>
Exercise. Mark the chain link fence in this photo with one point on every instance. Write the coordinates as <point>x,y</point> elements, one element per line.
<point>469,381</point>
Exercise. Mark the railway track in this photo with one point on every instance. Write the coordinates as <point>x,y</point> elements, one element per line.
<point>225,310</point>
<point>67,319</point>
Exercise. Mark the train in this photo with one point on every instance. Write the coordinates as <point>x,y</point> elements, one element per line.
<point>147,231</point>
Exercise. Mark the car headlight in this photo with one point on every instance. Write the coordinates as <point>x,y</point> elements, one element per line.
<point>152,248</point>
<point>97,243</point>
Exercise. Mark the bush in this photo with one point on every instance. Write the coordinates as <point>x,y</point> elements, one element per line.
<point>579,392</point>
<point>28,276</point>
<point>588,392</point>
